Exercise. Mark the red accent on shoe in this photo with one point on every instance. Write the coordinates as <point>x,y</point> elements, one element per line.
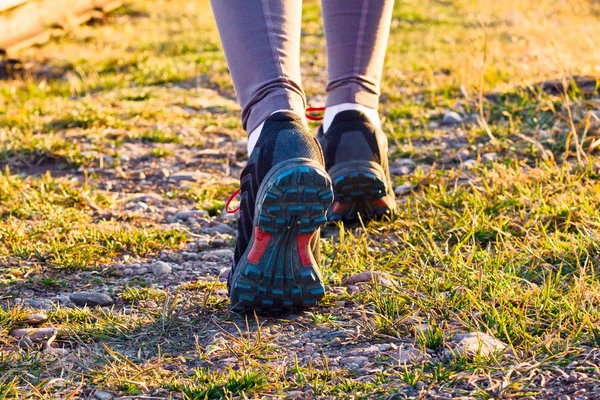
<point>313,117</point>
<point>380,203</point>
<point>339,208</point>
<point>261,241</point>
<point>233,196</point>
<point>304,249</point>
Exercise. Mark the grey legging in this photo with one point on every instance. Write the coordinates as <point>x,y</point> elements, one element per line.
<point>261,39</point>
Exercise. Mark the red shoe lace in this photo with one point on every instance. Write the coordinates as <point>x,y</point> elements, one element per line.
<point>230,199</point>
<point>310,116</point>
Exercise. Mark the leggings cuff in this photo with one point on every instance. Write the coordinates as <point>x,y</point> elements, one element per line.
<point>352,93</point>
<point>276,100</point>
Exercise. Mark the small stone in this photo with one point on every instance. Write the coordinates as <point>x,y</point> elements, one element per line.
<point>35,335</point>
<point>147,197</point>
<point>469,164</point>
<point>452,118</point>
<point>91,299</point>
<point>489,157</point>
<point>35,319</point>
<point>376,277</point>
<point>141,271</point>
<point>56,352</point>
<point>309,350</point>
<point>27,344</point>
<point>190,176</point>
<point>221,228</point>
<point>41,304</point>
<point>403,189</point>
<point>475,343</point>
<point>409,354</point>
<point>224,274</point>
<point>462,155</point>
<point>100,395</point>
<point>387,347</point>
<point>404,162</point>
<point>128,271</point>
<point>187,214</point>
<point>161,268</point>
<point>357,360</point>
<point>336,341</point>
<point>400,171</point>
<point>370,350</point>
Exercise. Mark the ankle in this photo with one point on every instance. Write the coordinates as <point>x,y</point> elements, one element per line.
<point>330,113</point>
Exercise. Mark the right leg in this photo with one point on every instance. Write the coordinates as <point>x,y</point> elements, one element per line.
<point>285,190</point>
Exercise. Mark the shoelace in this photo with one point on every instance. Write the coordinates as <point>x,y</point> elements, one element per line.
<point>230,199</point>
<point>313,117</point>
<point>310,115</point>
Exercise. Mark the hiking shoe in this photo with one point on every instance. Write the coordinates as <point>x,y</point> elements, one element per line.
<point>357,162</point>
<point>285,195</point>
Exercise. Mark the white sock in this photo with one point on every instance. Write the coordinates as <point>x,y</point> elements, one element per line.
<point>255,134</point>
<point>330,113</point>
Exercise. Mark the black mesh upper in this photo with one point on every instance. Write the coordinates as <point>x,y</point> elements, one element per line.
<point>352,137</point>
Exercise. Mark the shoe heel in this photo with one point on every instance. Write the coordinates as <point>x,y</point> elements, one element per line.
<point>279,270</point>
<point>360,187</point>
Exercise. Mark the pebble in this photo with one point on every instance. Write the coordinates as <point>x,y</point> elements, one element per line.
<point>370,350</point>
<point>409,354</point>
<point>128,271</point>
<point>224,274</point>
<point>376,277</point>
<point>35,319</point>
<point>146,197</point>
<point>400,171</point>
<point>161,268</point>
<point>469,164</point>
<point>475,343</point>
<point>39,304</point>
<point>489,157</point>
<point>309,350</point>
<point>463,155</point>
<point>142,271</point>
<point>100,395</point>
<point>190,176</point>
<point>221,228</point>
<point>452,118</point>
<point>336,341</point>
<point>187,214</point>
<point>91,299</point>
<point>56,352</point>
<point>404,162</point>
<point>387,347</point>
<point>36,335</point>
<point>357,360</point>
<point>403,189</point>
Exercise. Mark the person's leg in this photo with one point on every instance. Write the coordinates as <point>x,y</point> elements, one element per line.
<point>355,148</point>
<point>261,40</point>
<point>357,33</point>
<point>284,190</point>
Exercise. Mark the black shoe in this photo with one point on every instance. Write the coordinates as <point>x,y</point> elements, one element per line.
<point>357,162</point>
<point>285,194</point>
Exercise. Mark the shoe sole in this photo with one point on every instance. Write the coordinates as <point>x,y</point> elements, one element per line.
<point>361,192</point>
<point>278,271</point>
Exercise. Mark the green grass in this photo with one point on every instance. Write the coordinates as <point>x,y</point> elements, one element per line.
<point>509,247</point>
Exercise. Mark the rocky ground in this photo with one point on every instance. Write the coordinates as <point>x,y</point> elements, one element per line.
<point>121,141</point>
